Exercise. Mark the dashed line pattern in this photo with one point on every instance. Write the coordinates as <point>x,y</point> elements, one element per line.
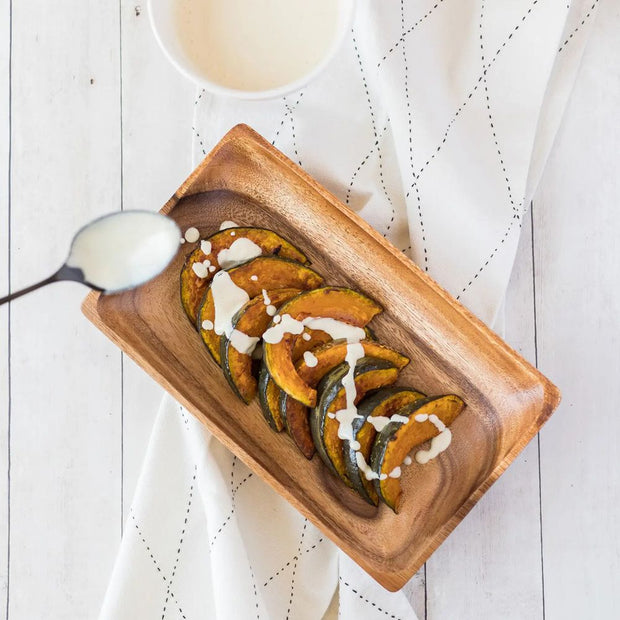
<point>404,35</point>
<point>374,130</point>
<point>576,30</point>
<point>488,106</point>
<point>369,602</point>
<point>301,540</point>
<point>155,563</point>
<point>295,558</point>
<point>291,118</point>
<point>361,165</point>
<point>180,545</point>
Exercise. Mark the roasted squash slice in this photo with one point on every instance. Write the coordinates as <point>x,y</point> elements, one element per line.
<point>339,304</point>
<point>251,321</point>
<point>264,272</point>
<point>397,439</point>
<point>269,392</point>
<point>327,357</point>
<point>193,286</point>
<point>370,374</point>
<point>379,406</point>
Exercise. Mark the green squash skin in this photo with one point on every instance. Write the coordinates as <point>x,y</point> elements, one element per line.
<point>224,357</point>
<point>366,409</point>
<point>328,389</point>
<point>263,380</point>
<point>388,434</point>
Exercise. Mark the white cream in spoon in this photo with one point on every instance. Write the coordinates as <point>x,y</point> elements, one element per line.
<point>125,249</point>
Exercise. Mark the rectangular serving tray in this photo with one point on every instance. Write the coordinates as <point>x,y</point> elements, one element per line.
<point>247,180</point>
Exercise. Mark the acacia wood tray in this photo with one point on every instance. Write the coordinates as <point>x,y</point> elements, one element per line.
<point>246,180</point>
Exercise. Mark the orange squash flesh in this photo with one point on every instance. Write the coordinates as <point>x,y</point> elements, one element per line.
<point>251,320</point>
<point>383,403</point>
<point>341,304</point>
<point>371,380</point>
<point>193,287</point>
<point>271,273</point>
<point>328,357</point>
<point>270,393</point>
<point>396,440</point>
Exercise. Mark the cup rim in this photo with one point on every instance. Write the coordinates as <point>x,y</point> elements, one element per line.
<point>256,95</point>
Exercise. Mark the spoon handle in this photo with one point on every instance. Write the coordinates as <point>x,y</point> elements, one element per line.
<point>28,289</point>
<point>64,273</point>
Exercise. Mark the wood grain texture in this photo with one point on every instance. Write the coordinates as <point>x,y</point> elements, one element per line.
<point>577,264</point>
<point>65,379</point>
<point>247,180</point>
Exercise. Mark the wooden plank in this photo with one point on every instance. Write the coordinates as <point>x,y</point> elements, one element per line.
<point>65,492</point>
<point>490,566</point>
<point>5,38</point>
<point>577,267</point>
<point>157,109</point>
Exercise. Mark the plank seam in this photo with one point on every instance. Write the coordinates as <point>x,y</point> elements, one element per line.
<point>9,391</point>
<point>122,208</point>
<point>542,558</point>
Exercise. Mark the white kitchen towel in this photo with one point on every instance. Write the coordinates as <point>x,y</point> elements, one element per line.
<point>433,123</point>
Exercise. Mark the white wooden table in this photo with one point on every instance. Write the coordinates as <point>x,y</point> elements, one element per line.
<point>91,118</point>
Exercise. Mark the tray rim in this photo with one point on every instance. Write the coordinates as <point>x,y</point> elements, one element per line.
<point>550,397</point>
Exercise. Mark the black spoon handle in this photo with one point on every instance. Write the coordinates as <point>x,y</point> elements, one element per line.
<point>64,273</point>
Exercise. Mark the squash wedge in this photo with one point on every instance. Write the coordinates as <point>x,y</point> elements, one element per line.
<point>193,286</point>
<point>252,320</point>
<point>328,356</point>
<point>269,392</point>
<point>397,439</point>
<point>339,304</point>
<point>381,404</point>
<point>263,272</point>
<point>370,374</point>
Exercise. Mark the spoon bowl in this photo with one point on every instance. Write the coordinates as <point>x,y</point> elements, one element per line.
<point>117,252</point>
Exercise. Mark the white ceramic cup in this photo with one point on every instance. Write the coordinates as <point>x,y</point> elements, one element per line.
<point>162,18</point>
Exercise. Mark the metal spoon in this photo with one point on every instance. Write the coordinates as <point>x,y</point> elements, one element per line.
<point>116,252</point>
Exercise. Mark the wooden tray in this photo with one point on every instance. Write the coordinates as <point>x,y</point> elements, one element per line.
<point>246,180</point>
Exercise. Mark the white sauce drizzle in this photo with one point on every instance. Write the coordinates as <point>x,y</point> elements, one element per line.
<point>336,329</point>
<point>212,268</point>
<point>254,278</point>
<point>307,337</point>
<point>277,319</point>
<point>399,418</point>
<point>366,469</point>
<point>345,417</point>
<point>240,251</point>
<point>192,235</point>
<point>233,233</point>
<point>228,224</point>
<point>271,310</point>
<point>228,298</point>
<point>407,460</point>
<point>205,246</point>
<point>182,240</point>
<point>379,422</point>
<point>242,342</point>
<point>207,325</point>
<point>200,269</point>
<point>310,359</point>
<point>439,443</point>
<point>266,299</point>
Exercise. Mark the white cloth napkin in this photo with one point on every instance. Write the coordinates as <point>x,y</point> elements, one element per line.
<point>434,124</point>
